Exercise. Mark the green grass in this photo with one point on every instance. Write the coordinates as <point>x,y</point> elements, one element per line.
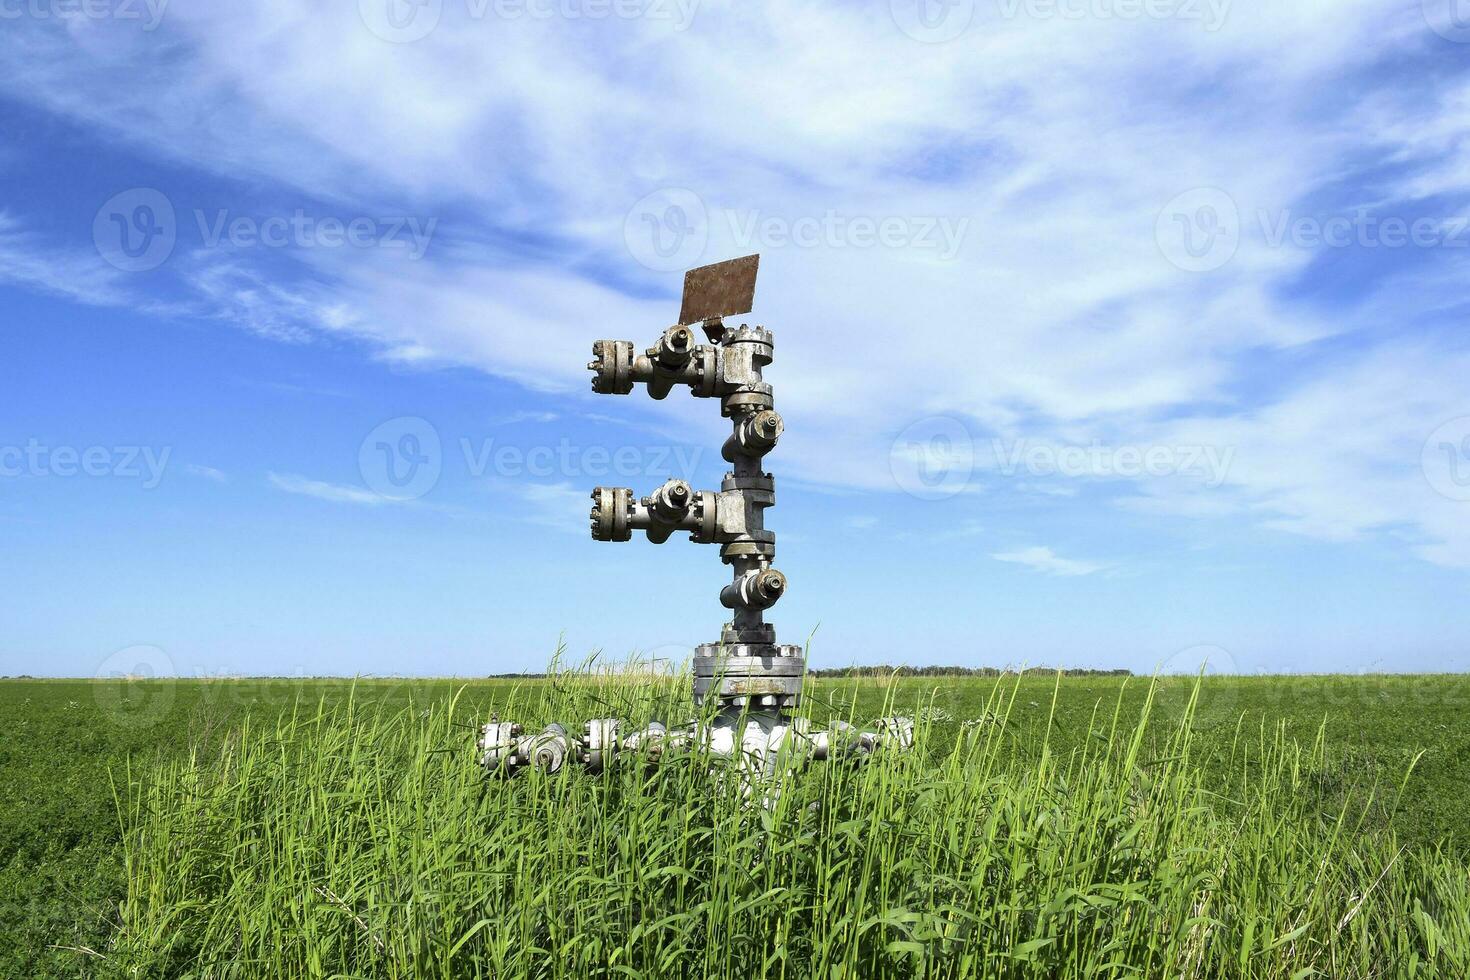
<point>1076,829</point>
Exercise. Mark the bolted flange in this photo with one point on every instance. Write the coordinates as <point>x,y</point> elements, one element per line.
<point>612,367</point>
<point>749,675</point>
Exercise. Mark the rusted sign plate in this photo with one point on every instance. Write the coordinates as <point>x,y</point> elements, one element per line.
<point>722,289</point>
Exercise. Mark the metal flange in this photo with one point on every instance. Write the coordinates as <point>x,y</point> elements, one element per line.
<point>760,675</point>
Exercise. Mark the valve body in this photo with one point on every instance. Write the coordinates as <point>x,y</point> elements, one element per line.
<point>754,682</point>
<point>746,668</point>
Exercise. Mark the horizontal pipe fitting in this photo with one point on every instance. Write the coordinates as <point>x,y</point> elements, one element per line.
<point>752,732</point>
<point>674,348</point>
<point>666,510</point>
<point>755,435</point>
<point>671,502</point>
<point>616,513</point>
<point>754,590</point>
<point>548,749</point>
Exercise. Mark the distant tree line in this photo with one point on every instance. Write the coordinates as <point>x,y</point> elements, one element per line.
<point>935,670</point>
<point>888,670</point>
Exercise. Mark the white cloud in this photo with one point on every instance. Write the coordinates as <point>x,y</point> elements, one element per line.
<point>519,417</point>
<point>1043,559</point>
<point>968,528</point>
<point>557,505</point>
<point>335,492</point>
<point>1054,143</point>
<point>80,276</point>
<point>206,472</point>
<point>1339,457</point>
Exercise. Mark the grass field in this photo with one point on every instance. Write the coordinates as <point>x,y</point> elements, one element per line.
<point>1087,826</point>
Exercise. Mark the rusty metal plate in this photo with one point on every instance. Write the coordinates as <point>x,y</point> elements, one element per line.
<point>722,289</point>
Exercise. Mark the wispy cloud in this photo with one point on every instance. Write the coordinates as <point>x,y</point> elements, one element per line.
<point>28,259</point>
<point>1043,559</point>
<point>524,416</point>
<point>1057,317</point>
<point>335,492</point>
<point>558,505</point>
<point>206,472</point>
<point>968,528</point>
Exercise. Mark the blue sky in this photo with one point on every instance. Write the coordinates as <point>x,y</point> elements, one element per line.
<point>1109,333</point>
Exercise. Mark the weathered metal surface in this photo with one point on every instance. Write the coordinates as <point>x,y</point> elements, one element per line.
<point>757,742</point>
<point>722,289</point>
<point>755,682</point>
<point>734,517</point>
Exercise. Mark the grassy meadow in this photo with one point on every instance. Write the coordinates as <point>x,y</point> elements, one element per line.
<point>1045,827</point>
